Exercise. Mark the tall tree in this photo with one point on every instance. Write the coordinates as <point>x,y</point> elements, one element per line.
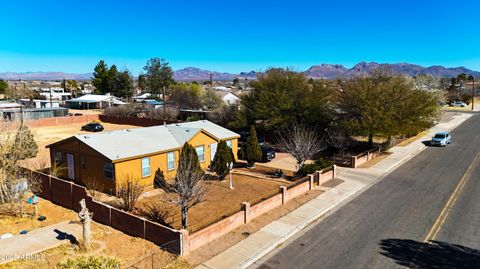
<point>158,75</point>
<point>122,84</point>
<point>386,105</point>
<point>101,78</point>
<point>252,151</point>
<point>3,86</point>
<point>281,97</point>
<point>222,158</point>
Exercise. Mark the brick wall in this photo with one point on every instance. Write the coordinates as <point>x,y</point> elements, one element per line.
<point>365,157</point>
<point>145,122</point>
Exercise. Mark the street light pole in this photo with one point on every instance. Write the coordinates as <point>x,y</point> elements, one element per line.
<point>230,167</point>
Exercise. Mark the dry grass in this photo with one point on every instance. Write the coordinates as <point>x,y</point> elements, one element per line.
<point>413,138</point>
<point>220,200</point>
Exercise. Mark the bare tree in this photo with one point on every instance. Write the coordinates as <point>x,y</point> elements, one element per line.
<point>338,138</point>
<point>186,190</point>
<point>129,190</point>
<point>94,187</point>
<point>16,144</point>
<point>301,142</point>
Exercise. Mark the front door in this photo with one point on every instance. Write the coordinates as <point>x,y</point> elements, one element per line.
<point>213,150</point>
<point>71,166</point>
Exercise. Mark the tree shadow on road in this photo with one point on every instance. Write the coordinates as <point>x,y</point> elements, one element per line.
<point>435,254</point>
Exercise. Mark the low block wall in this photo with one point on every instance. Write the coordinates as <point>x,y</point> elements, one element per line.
<point>145,122</point>
<point>68,195</point>
<point>222,227</point>
<point>365,157</point>
<point>54,121</point>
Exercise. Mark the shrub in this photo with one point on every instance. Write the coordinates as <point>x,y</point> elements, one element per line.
<point>158,212</point>
<point>316,166</point>
<point>83,262</point>
<point>129,190</point>
<point>252,151</point>
<point>223,156</point>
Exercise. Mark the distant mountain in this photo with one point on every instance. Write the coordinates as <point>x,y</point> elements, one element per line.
<point>194,73</point>
<point>329,71</point>
<point>43,76</point>
<point>326,71</point>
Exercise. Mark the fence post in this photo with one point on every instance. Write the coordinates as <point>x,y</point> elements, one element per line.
<point>310,182</point>
<point>335,171</point>
<point>246,212</point>
<point>320,177</point>
<point>283,190</point>
<point>354,161</point>
<point>185,242</point>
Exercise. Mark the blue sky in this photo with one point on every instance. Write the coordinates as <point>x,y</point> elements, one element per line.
<point>236,35</point>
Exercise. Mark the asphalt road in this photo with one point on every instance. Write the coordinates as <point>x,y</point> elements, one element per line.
<point>434,197</point>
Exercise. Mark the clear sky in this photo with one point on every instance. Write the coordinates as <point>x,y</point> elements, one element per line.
<point>236,35</point>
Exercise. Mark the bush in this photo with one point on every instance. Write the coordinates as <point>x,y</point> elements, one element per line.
<point>83,262</point>
<point>222,158</point>
<point>313,167</point>
<point>252,152</point>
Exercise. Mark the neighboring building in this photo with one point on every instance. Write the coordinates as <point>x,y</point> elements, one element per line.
<point>33,113</point>
<point>5,105</point>
<point>37,103</point>
<point>94,101</point>
<point>110,157</point>
<point>152,103</point>
<point>231,99</point>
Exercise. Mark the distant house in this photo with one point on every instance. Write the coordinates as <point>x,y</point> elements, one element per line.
<point>152,103</point>
<point>5,105</point>
<point>110,157</point>
<point>33,113</point>
<point>231,99</point>
<point>94,101</point>
<point>38,103</point>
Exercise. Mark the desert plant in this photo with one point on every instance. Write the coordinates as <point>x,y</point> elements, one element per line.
<point>88,262</point>
<point>252,152</point>
<point>129,191</point>
<point>158,212</point>
<point>222,158</point>
<point>94,187</point>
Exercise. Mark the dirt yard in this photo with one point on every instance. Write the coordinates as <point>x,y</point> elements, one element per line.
<point>124,248</point>
<point>51,134</point>
<point>219,202</point>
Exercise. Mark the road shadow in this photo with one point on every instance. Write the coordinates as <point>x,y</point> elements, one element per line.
<point>64,236</point>
<point>426,143</point>
<point>436,254</point>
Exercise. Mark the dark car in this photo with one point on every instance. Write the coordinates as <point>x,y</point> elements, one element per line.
<point>92,127</point>
<point>268,153</point>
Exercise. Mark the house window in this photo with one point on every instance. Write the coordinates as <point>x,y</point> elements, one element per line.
<point>57,155</point>
<point>145,167</point>
<point>108,170</point>
<point>200,153</point>
<point>229,143</point>
<point>170,160</point>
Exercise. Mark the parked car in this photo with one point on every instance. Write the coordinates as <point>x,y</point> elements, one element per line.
<point>92,127</point>
<point>458,104</point>
<point>441,139</point>
<point>268,153</point>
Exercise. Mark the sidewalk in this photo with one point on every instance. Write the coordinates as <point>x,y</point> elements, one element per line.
<point>21,246</point>
<point>257,245</point>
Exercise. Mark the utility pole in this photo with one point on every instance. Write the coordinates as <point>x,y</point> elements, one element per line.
<point>50,90</point>
<point>164,107</point>
<point>473,92</point>
<point>211,80</point>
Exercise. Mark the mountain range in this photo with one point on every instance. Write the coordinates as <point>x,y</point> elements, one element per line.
<point>325,71</point>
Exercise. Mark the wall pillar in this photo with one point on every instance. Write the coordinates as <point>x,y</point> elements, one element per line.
<point>334,175</point>
<point>319,173</point>
<point>185,237</point>
<point>283,190</point>
<point>310,182</point>
<point>246,212</point>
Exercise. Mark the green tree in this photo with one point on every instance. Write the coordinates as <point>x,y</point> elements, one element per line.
<point>101,78</point>
<point>281,97</point>
<point>186,96</point>
<point>122,85</point>
<point>3,86</point>
<point>142,83</point>
<point>222,158</point>
<point>385,105</point>
<point>253,151</point>
<point>211,100</point>
<point>158,75</point>
<point>189,156</point>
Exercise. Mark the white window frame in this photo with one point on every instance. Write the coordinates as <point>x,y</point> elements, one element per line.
<point>170,162</point>
<point>144,167</point>
<point>203,153</point>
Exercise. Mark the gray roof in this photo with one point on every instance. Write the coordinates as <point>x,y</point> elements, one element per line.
<point>129,143</point>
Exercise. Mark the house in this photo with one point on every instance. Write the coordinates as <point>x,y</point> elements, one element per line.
<point>94,101</point>
<point>33,113</point>
<point>231,99</point>
<point>38,103</point>
<point>152,103</point>
<point>110,157</point>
